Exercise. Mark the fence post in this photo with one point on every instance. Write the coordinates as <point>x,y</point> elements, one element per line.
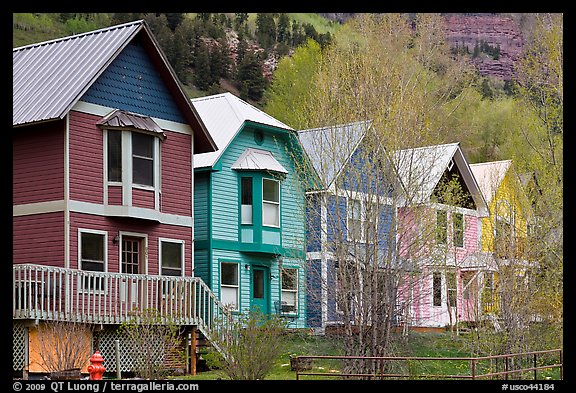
<point>535,364</point>
<point>473,367</point>
<point>506,366</point>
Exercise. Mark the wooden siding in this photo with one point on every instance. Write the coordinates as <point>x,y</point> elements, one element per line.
<point>86,158</point>
<point>115,195</point>
<point>137,86</point>
<point>313,222</point>
<point>38,239</point>
<point>142,198</point>
<point>176,174</point>
<point>38,163</point>
<point>141,227</point>
<point>201,206</point>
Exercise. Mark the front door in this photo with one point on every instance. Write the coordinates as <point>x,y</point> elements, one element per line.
<point>260,296</point>
<point>131,263</point>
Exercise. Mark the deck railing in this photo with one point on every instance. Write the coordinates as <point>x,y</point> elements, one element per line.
<point>60,294</point>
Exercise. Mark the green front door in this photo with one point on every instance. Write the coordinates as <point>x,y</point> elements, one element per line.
<point>260,296</point>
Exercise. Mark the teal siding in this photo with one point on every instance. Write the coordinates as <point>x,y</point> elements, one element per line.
<point>227,238</point>
<point>201,264</point>
<point>201,201</point>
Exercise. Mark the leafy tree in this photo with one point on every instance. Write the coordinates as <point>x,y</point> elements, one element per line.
<point>253,347</point>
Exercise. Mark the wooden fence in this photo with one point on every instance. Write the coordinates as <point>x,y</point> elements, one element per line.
<point>525,365</point>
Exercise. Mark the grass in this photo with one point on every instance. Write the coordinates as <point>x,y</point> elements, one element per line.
<point>418,345</point>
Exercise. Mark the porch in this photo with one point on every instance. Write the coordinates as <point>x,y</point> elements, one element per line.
<point>70,295</point>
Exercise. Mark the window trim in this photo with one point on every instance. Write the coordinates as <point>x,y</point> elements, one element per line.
<point>160,259</point>
<point>364,221</point>
<point>104,234</point>
<point>295,291</point>
<point>237,286</point>
<point>279,215</point>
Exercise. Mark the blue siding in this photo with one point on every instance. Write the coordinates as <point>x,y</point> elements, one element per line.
<point>314,293</point>
<point>336,220</point>
<point>132,83</point>
<point>313,223</point>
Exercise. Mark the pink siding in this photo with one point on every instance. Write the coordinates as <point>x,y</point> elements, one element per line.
<point>142,198</point>
<point>38,163</point>
<point>177,174</point>
<point>114,225</point>
<point>115,195</point>
<point>38,239</point>
<point>86,158</point>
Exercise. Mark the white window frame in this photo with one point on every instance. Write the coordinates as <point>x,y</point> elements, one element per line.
<point>264,202</point>
<point>363,219</point>
<point>294,292</point>
<point>104,234</point>
<point>162,240</point>
<point>235,286</point>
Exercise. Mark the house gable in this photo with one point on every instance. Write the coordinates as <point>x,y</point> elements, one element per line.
<point>132,83</point>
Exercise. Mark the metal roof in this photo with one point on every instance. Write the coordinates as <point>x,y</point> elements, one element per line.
<point>224,114</point>
<point>120,119</point>
<point>330,148</point>
<point>256,159</point>
<point>420,169</point>
<point>49,77</point>
<point>489,175</point>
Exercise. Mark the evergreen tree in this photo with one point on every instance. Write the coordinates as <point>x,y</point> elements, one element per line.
<point>252,82</point>
<point>283,29</point>
<point>265,30</point>
<point>202,75</point>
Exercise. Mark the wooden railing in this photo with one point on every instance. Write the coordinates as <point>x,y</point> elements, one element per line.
<point>60,294</point>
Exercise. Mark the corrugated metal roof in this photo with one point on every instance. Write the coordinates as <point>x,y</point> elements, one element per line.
<point>420,169</point>
<point>330,148</point>
<point>49,77</point>
<point>489,175</point>
<point>122,119</point>
<point>224,114</point>
<point>256,159</point>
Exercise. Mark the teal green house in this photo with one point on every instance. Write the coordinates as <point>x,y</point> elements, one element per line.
<point>249,210</point>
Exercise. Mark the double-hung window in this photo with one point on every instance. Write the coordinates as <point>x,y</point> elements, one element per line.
<point>289,300</point>
<point>362,220</point>
<point>458,229</point>
<point>171,257</point>
<point>142,152</point>
<point>441,226</point>
<point>229,284</point>
<point>270,202</point>
<point>92,258</point>
<point>247,203</point>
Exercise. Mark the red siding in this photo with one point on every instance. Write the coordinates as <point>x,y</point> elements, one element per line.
<point>114,225</point>
<point>38,163</point>
<point>142,198</point>
<point>38,239</point>
<point>115,195</point>
<point>177,174</point>
<point>86,158</point>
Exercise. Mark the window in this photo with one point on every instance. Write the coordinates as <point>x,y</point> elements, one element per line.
<point>270,203</point>
<point>92,258</point>
<point>229,284</point>
<point>437,288</point>
<point>451,288</point>
<point>114,155</point>
<point>171,257</point>
<point>289,298</point>
<point>142,159</point>
<point>246,200</point>
<point>441,226</point>
<point>354,219</point>
<point>458,229</point>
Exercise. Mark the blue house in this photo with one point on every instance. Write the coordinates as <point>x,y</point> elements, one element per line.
<point>351,218</point>
<point>249,210</point>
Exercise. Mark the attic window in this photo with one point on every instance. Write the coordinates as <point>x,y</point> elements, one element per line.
<point>451,164</point>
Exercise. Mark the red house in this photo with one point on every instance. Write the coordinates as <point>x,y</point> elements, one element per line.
<point>103,145</point>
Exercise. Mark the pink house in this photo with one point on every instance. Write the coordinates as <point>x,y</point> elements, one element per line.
<point>438,235</point>
<point>103,144</point>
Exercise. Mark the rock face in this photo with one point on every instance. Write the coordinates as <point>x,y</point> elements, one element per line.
<point>497,31</point>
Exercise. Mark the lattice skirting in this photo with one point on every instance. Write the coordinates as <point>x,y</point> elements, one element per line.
<point>105,342</point>
<point>19,345</point>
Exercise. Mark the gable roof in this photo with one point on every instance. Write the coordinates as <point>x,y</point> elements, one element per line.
<point>50,77</point>
<point>420,169</point>
<point>330,148</point>
<point>224,115</point>
<point>489,176</point>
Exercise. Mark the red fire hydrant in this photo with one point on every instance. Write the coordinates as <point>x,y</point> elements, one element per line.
<point>96,369</point>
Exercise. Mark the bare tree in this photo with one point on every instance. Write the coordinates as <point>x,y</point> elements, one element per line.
<point>64,345</point>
